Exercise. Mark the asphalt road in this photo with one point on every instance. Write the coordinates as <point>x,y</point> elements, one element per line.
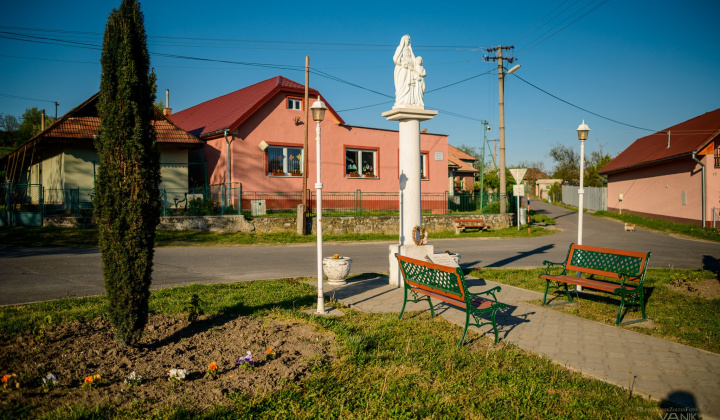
<point>38,274</point>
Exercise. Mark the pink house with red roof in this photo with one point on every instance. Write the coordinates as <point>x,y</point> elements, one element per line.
<point>254,138</point>
<point>673,174</point>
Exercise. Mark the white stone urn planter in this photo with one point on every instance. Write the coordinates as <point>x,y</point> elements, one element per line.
<point>455,256</point>
<point>336,269</point>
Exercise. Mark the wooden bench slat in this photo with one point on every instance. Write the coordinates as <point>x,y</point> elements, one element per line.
<point>462,224</point>
<point>628,266</point>
<point>592,284</point>
<point>477,302</point>
<point>447,284</point>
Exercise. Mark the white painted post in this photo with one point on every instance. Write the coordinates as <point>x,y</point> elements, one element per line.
<point>583,130</point>
<point>410,192</point>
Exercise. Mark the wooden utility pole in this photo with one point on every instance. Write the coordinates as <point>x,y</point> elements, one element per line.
<point>501,100</point>
<point>305,144</point>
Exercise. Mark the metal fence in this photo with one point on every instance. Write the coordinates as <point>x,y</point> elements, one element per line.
<point>355,203</point>
<point>21,205</point>
<point>226,200</point>
<point>593,199</point>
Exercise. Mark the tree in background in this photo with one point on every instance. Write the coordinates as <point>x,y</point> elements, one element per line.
<point>31,125</point>
<point>596,161</point>
<point>492,182</point>
<point>127,207</point>
<point>8,130</point>
<point>472,151</point>
<point>567,164</point>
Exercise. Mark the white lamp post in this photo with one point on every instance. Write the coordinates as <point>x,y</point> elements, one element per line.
<point>582,132</point>
<point>318,112</point>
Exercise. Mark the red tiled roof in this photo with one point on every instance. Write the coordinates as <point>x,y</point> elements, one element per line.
<point>690,136</point>
<point>461,166</point>
<point>82,124</point>
<point>460,154</point>
<point>457,160</point>
<point>85,128</point>
<point>231,110</point>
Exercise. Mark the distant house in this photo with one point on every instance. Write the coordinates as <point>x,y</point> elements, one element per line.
<point>542,187</point>
<point>63,157</point>
<point>461,172</point>
<point>672,174</point>
<point>254,141</point>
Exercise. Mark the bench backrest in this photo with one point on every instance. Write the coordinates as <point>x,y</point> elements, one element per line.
<point>607,262</point>
<point>441,279</point>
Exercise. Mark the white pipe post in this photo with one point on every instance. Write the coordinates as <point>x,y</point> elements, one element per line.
<point>581,192</point>
<point>318,188</point>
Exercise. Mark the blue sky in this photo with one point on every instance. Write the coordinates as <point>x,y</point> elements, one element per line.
<point>649,64</point>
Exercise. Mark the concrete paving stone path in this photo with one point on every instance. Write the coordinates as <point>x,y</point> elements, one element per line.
<point>653,367</point>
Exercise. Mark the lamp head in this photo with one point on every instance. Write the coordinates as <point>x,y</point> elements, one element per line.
<point>514,69</point>
<point>318,109</point>
<point>583,130</point>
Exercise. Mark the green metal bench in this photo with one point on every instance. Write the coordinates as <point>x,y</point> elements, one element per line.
<point>424,280</point>
<point>627,267</point>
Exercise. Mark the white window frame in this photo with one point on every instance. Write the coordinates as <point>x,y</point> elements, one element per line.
<point>295,104</point>
<point>285,162</point>
<point>359,155</point>
<point>423,166</point>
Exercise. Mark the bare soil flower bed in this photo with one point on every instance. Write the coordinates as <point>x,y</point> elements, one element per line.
<point>74,351</point>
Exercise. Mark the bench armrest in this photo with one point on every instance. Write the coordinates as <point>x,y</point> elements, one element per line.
<point>490,292</point>
<point>549,264</point>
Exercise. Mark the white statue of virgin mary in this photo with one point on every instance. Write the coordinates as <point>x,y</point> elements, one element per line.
<point>409,77</point>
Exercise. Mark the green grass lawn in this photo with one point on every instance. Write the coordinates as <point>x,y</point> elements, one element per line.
<point>386,368</point>
<point>84,238</point>
<point>677,316</point>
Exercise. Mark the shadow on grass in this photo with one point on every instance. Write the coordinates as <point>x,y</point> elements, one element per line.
<point>227,314</point>
<point>601,297</point>
<point>711,263</point>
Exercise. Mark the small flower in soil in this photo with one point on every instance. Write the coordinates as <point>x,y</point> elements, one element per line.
<point>91,381</point>
<point>133,379</point>
<point>49,382</point>
<point>245,362</point>
<point>212,370</point>
<point>270,354</point>
<point>177,375</point>
<point>10,380</point>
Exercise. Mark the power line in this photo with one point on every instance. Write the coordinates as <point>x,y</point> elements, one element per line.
<point>226,41</point>
<point>366,106</point>
<point>581,108</point>
<point>521,36</point>
<point>566,26</point>
<point>25,99</point>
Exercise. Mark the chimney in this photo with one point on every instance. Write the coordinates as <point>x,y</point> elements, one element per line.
<point>42,121</point>
<point>167,110</point>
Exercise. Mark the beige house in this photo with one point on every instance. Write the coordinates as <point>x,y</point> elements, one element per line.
<point>62,158</point>
<point>542,187</point>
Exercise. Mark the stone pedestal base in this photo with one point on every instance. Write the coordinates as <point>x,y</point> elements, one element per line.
<point>418,252</point>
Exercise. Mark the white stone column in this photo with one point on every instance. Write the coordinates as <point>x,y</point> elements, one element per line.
<point>410,191</point>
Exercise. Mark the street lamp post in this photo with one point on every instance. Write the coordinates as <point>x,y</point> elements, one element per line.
<point>582,132</point>
<point>318,112</point>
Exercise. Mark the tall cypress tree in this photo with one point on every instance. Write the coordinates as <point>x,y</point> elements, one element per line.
<point>127,196</point>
